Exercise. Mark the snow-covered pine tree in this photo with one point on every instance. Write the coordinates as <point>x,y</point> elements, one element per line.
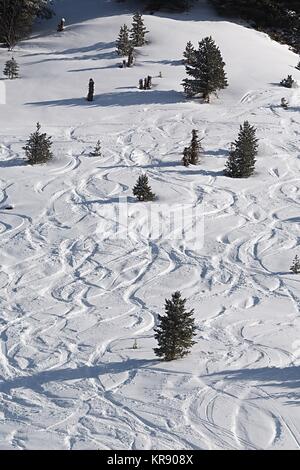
<point>287,82</point>
<point>207,71</point>
<point>91,90</point>
<point>176,329</point>
<point>11,69</point>
<point>241,161</point>
<point>38,147</point>
<point>138,31</point>
<point>191,154</point>
<point>97,150</point>
<point>123,44</point>
<point>295,268</point>
<point>189,54</point>
<point>298,66</point>
<point>142,189</point>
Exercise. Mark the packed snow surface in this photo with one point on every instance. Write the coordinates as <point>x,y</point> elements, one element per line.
<point>74,297</point>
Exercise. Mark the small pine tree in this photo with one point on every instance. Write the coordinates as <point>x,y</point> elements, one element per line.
<point>97,150</point>
<point>138,31</point>
<point>298,65</point>
<point>176,330</point>
<point>135,344</point>
<point>241,161</point>
<point>189,54</point>
<point>91,91</point>
<point>192,153</point>
<point>123,44</point>
<point>142,189</point>
<point>38,147</point>
<point>11,69</point>
<point>295,268</point>
<point>206,70</point>
<point>287,82</point>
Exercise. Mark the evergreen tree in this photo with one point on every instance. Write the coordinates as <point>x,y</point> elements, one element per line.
<point>11,69</point>
<point>241,161</point>
<point>206,70</point>
<point>287,82</point>
<point>176,330</point>
<point>295,268</point>
<point>138,31</point>
<point>123,43</point>
<point>191,154</point>
<point>97,150</point>
<point>189,54</point>
<point>17,17</point>
<point>298,65</point>
<point>91,91</point>
<point>142,189</point>
<point>38,147</point>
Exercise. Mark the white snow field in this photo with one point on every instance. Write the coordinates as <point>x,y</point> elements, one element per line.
<point>74,297</point>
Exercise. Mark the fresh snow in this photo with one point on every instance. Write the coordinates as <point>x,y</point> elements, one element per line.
<point>73,301</point>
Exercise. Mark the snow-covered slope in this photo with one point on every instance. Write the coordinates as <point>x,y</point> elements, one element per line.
<point>72,303</point>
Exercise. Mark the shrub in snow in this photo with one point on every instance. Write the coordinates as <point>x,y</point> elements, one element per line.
<point>287,82</point>
<point>97,150</point>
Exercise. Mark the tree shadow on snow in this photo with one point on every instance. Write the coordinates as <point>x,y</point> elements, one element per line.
<point>165,62</point>
<point>281,378</point>
<point>91,52</point>
<point>35,382</point>
<point>13,163</point>
<point>129,98</point>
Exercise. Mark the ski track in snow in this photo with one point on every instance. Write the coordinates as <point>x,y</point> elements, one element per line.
<point>74,300</point>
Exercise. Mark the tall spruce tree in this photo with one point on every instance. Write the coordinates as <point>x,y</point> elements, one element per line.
<point>38,147</point>
<point>123,43</point>
<point>189,54</point>
<point>191,154</point>
<point>176,329</point>
<point>142,189</point>
<point>138,31</point>
<point>207,71</point>
<point>11,69</point>
<point>241,161</point>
